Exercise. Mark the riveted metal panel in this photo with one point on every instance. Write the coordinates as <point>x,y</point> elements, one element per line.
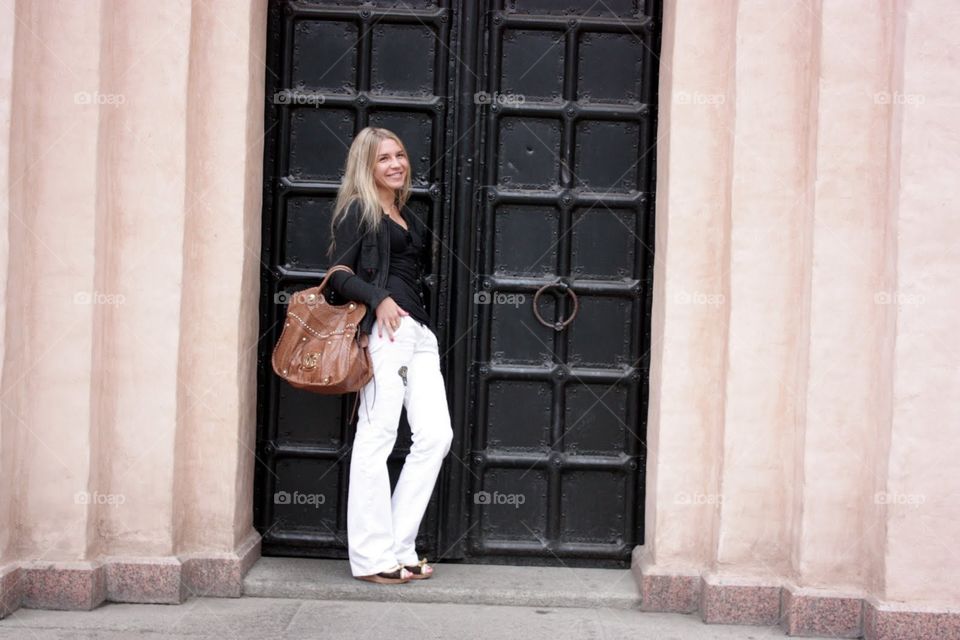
<point>557,412</point>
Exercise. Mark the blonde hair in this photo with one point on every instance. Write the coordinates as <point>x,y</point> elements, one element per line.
<point>358,184</point>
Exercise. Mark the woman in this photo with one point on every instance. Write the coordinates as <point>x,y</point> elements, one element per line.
<point>383,241</point>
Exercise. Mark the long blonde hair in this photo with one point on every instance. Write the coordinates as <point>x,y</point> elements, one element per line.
<point>359,185</point>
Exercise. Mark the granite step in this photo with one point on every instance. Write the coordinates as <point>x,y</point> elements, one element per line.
<point>317,579</point>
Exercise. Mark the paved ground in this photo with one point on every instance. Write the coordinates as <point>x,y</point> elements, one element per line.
<point>251,617</point>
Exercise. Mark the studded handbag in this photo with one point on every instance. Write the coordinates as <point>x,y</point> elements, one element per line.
<point>319,349</point>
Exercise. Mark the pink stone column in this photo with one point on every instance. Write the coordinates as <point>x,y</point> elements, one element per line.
<point>52,306</point>
<point>144,195</point>
<point>690,302</point>
<point>130,308</point>
<point>842,400</point>
<point>213,490</point>
<point>813,458</point>
<point>768,305</point>
<point>920,514</point>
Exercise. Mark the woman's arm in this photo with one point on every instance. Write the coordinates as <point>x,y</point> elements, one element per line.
<point>348,237</point>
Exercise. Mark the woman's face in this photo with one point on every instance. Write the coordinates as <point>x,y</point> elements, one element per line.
<point>391,168</point>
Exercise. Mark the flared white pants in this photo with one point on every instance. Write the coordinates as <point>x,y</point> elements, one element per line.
<point>382,530</point>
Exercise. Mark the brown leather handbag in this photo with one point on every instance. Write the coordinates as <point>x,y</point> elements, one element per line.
<point>319,349</point>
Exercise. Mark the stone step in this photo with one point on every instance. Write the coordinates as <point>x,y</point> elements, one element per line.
<point>316,579</point>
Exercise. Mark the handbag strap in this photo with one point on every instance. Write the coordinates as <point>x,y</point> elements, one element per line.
<point>356,405</point>
<point>336,267</point>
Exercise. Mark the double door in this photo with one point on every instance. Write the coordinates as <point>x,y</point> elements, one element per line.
<point>531,136</point>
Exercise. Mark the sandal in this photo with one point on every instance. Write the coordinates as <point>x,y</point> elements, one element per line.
<point>397,575</point>
<point>419,571</point>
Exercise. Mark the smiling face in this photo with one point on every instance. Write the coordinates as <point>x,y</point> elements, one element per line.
<point>391,165</point>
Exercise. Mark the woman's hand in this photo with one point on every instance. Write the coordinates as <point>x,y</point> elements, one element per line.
<point>388,315</point>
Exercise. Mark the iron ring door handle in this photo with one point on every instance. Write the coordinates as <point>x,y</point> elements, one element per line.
<point>560,324</point>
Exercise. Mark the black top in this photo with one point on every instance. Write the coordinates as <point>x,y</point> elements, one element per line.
<point>365,260</point>
<point>403,283</point>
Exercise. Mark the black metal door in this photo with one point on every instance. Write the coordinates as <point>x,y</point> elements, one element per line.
<point>563,228</point>
<point>531,136</point>
<point>333,68</point>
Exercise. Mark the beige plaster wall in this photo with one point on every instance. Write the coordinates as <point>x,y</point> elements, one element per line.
<point>132,175</point>
<point>803,423</point>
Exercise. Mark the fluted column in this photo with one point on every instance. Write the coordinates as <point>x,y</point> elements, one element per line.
<point>220,322</point>
<point>920,515</point>
<point>52,301</point>
<point>689,301</point>
<point>847,325</point>
<point>145,195</point>
<point>769,298</point>
<point>843,403</point>
<point>132,278</point>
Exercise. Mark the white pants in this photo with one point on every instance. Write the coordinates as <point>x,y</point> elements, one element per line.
<point>381,531</point>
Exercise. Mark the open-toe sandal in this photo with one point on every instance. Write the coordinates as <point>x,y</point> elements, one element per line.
<point>419,571</point>
<point>397,575</point>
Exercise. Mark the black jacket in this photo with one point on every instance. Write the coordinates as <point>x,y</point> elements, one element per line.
<point>368,254</point>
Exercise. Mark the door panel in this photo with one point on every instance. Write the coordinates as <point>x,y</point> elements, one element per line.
<point>334,69</point>
<point>556,414</point>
